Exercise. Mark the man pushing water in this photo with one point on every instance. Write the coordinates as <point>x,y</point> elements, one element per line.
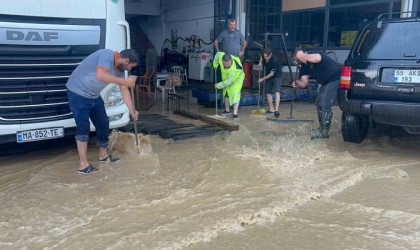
<point>229,70</point>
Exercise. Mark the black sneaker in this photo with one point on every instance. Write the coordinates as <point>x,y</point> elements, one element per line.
<point>269,112</point>
<point>277,114</point>
<point>226,112</point>
<point>111,159</point>
<point>235,116</point>
<point>87,169</point>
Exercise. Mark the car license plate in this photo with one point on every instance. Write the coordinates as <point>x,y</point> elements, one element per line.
<point>406,76</point>
<point>39,134</point>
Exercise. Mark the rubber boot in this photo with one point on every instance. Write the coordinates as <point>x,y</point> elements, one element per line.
<point>325,126</point>
<point>318,129</point>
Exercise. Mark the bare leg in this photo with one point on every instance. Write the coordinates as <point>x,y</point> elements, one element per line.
<point>103,152</point>
<point>82,150</point>
<point>235,108</point>
<point>227,105</point>
<point>270,102</point>
<point>277,96</point>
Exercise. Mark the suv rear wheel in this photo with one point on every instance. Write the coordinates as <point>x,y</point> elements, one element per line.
<point>354,127</point>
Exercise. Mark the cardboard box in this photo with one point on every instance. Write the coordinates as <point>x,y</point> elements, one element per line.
<point>348,38</point>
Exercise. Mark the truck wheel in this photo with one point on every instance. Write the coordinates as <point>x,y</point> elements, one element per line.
<point>354,128</point>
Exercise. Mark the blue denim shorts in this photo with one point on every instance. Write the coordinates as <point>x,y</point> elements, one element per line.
<point>94,109</point>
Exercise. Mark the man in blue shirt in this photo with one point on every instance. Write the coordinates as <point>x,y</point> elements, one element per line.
<point>83,88</point>
<point>231,40</point>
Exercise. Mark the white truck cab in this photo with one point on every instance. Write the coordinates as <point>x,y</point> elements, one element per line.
<point>41,43</point>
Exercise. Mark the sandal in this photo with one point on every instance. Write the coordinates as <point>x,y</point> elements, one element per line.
<point>87,169</point>
<point>111,159</point>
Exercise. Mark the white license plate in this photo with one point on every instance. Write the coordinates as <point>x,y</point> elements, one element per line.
<point>406,76</point>
<point>39,134</point>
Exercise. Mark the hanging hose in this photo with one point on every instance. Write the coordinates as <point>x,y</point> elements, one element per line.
<point>180,38</point>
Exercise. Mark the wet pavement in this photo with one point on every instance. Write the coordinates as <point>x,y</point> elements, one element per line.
<point>267,186</point>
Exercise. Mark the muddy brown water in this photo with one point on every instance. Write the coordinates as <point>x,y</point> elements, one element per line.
<point>266,186</point>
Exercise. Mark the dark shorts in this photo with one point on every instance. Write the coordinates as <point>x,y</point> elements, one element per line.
<point>272,85</point>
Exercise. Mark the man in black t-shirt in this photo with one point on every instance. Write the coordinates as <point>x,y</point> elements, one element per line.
<point>327,73</point>
<point>272,78</point>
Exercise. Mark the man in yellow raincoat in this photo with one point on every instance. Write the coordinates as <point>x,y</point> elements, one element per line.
<point>231,76</point>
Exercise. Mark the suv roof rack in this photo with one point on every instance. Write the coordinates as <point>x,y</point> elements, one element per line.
<point>389,15</point>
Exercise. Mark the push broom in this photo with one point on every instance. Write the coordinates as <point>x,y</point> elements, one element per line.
<point>216,97</point>
<point>259,111</point>
<point>125,24</point>
<point>134,121</point>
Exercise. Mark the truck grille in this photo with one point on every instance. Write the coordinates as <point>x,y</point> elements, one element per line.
<point>22,60</point>
<point>33,76</point>
<point>34,89</point>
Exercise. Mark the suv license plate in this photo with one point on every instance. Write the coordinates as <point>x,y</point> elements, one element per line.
<point>406,76</point>
<point>39,134</point>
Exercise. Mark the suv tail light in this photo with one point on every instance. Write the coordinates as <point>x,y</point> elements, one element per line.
<point>345,77</point>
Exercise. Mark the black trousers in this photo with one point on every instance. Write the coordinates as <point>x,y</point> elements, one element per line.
<point>327,96</point>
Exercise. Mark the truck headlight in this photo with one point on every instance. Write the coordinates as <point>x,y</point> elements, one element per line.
<point>113,97</point>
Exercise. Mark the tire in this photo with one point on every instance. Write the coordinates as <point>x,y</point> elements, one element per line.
<point>354,127</point>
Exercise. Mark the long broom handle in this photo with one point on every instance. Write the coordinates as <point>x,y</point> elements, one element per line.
<point>291,109</point>
<point>215,82</point>
<point>259,89</point>
<point>134,106</point>
<point>294,89</point>
<point>263,90</point>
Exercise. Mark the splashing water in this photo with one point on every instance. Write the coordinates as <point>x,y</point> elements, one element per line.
<point>122,142</point>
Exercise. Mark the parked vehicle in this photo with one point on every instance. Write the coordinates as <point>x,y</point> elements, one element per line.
<point>40,46</point>
<point>380,80</point>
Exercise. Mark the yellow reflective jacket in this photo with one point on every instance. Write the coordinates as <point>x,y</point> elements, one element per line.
<point>232,78</point>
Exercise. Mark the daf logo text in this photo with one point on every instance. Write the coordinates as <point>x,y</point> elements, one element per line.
<point>37,36</point>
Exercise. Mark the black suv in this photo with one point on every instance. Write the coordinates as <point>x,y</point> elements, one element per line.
<point>380,79</point>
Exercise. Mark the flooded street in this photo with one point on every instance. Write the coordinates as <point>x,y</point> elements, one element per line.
<point>267,186</point>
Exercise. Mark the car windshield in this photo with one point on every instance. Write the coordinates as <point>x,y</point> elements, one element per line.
<point>389,41</point>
